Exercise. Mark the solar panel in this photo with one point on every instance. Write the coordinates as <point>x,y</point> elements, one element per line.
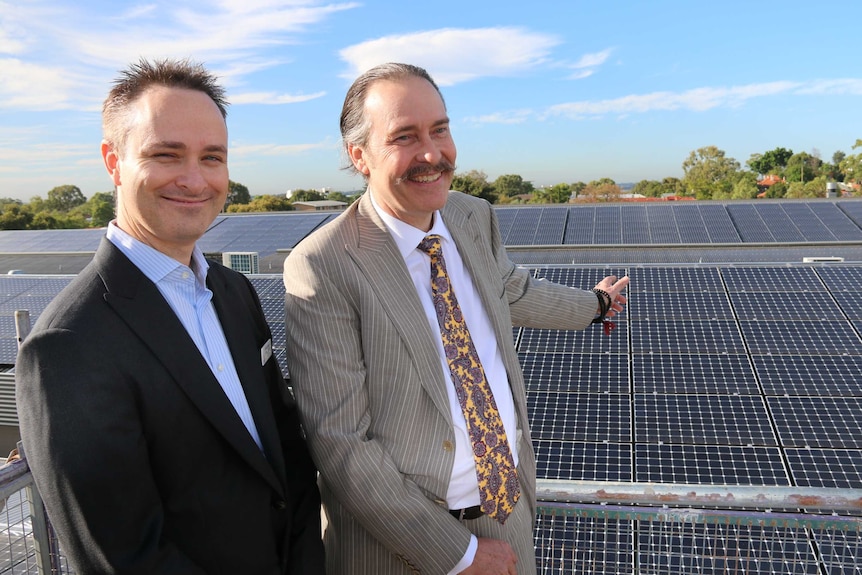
<point>552,226</point>
<point>708,374</point>
<point>801,337</point>
<point>262,233</point>
<point>785,306</point>
<point>568,460</point>
<point>692,228</point>
<point>635,226</point>
<point>702,419</point>
<point>709,464</point>
<point>749,224</point>
<point>582,278</point>
<point>850,304</point>
<point>589,340</point>
<point>505,219</point>
<point>826,467</point>
<point>771,279</point>
<point>684,336</point>
<point>782,228</point>
<point>809,374</point>
<point>523,228</point>
<point>833,422</point>
<point>582,417</point>
<point>608,229</point>
<point>583,373</point>
<point>719,224</point>
<point>675,280</point>
<point>662,225</point>
<point>836,221</point>
<point>809,224</point>
<point>841,278</point>
<point>580,225</point>
<point>681,305</point>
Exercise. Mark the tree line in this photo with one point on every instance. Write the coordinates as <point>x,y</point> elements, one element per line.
<point>708,174</point>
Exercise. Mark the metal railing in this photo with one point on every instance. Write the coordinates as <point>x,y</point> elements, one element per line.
<point>592,527</point>
<point>614,528</point>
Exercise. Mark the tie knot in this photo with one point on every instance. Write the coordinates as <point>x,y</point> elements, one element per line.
<point>430,245</point>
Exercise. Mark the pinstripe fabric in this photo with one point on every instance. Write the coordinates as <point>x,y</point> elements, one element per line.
<point>368,381</point>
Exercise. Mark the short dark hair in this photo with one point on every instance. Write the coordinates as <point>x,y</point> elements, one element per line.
<point>354,124</point>
<point>140,76</point>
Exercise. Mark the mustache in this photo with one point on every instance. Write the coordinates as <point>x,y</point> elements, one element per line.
<point>420,170</point>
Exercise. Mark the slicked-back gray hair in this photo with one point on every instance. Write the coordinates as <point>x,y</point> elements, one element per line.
<point>140,76</point>
<point>355,125</point>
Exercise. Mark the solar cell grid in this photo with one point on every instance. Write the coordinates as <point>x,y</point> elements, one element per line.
<point>709,464</point>
<point>702,419</point>
<point>801,337</point>
<point>681,305</point>
<point>809,375</point>
<point>832,422</point>
<point>748,222</point>
<point>782,228</point>
<point>687,337</point>
<point>836,221</point>
<point>718,224</point>
<point>583,545</point>
<point>850,304</point>
<point>841,278</point>
<point>552,226</point>
<point>808,222</point>
<point>523,228</point>
<point>826,467</point>
<point>771,279</point>
<point>582,278</point>
<point>706,374</point>
<point>589,340</point>
<point>8,350</point>
<point>674,279</point>
<point>785,306</point>
<point>583,373</point>
<point>580,225</point>
<point>35,304</point>
<point>853,209</point>
<point>608,227</point>
<point>505,219</point>
<point>268,287</point>
<point>591,418</point>
<point>572,461</point>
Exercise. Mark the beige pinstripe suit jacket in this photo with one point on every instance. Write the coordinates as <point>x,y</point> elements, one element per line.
<point>371,389</point>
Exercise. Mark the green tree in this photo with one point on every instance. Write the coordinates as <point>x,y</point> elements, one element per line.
<point>745,186</point>
<point>340,197</point>
<point>674,186</point>
<point>709,172</point>
<point>15,217</point>
<point>603,190</point>
<point>64,198</point>
<point>851,166</point>
<point>264,203</point>
<point>475,183</point>
<point>802,167</point>
<point>648,188</point>
<point>306,196</point>
<point>512,185</point>
<point>771,162</point>
<point>556,194</point>
<point>236,194</point>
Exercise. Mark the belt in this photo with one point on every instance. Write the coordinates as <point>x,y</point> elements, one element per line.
<point>474,512</point>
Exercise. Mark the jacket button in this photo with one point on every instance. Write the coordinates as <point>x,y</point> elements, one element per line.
<point>447,445</point>
<point>279,505</point>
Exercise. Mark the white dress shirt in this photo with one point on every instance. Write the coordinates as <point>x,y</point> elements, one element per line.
<point>186,292</point>
<point>463,485</point>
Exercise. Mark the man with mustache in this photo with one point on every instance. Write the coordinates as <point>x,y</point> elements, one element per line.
<point>409,385</point>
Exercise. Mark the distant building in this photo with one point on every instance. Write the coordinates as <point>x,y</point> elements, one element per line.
<point>320,206</point>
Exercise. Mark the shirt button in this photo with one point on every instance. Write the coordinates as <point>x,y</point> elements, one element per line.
<point>220,367</point>
<point>185,275</point>
<point>447,445</point>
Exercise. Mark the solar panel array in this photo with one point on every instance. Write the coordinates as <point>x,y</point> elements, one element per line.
<point>716,373</point>
<point>262,233</point>
<point>719,375</point>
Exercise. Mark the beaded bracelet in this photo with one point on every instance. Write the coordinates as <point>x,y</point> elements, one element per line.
<point>605,303</point>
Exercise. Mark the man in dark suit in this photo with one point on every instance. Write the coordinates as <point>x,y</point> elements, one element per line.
<point>154,416</point>
<point>377,368</point>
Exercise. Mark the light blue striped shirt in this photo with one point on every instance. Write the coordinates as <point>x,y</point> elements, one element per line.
<point>186,292</point>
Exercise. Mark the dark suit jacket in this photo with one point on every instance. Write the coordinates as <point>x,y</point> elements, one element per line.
<point>143,463</point>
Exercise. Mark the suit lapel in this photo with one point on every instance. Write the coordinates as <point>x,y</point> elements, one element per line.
<point>237,326</point>
<point>143,308</point>
<point>381,263</point>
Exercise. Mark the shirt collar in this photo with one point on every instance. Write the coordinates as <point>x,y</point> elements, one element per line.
<point>406,236</point>
<point>153,263</point>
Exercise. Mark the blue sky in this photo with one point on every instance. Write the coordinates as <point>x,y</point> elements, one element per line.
<point>556,91</point>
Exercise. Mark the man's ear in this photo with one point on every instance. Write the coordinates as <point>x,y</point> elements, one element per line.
<point>357,156</point>
<point>112,161</point>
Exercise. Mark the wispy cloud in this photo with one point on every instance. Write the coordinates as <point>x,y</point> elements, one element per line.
<point>59,57</point>
<point>455,55</point>
<point>273,98</point>
<point>241,151</point>
<point>587,65</point>
<point>694,100</point>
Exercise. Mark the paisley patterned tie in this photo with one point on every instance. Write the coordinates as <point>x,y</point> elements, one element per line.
<point>495,469</point>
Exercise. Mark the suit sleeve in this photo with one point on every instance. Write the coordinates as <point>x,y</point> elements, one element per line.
<point>86,447</point>
<point>539,303</point>
<point>324,341</point>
